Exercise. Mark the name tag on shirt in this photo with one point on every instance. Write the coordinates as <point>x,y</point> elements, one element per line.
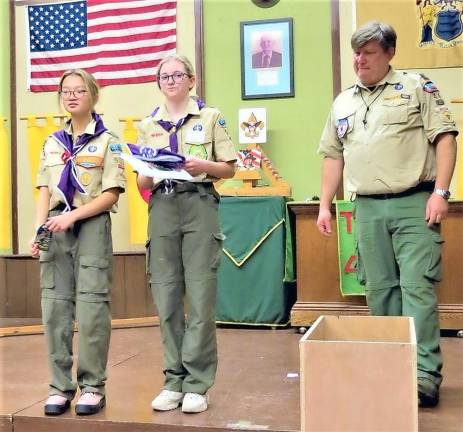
<point>196,136</point>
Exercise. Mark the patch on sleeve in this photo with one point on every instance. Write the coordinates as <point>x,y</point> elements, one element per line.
<point>341,127</point>
<point>445,114</point>
<point>430,87</point>
<point>222,122</point>
<point>115,148</point>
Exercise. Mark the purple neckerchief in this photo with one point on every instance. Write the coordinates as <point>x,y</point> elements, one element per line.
<point>173,128</point>
<point>161,157</point>
<point>69,182</point>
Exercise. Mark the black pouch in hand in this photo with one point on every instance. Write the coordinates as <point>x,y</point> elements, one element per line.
<point>43,238</point>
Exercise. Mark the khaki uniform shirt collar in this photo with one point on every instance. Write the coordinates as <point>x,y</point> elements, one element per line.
<point>162,114</point>
<point>392,77</point>
<point>90,129</point>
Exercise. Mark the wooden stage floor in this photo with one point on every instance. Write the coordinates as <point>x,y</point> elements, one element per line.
<point>252,390</point>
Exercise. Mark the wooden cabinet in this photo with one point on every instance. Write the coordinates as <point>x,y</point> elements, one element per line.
<point>318,290</point>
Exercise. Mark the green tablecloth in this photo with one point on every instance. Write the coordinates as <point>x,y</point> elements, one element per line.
<point>256,283</point>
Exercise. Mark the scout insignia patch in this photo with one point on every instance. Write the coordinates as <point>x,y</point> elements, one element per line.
<point>222,122</point>
<point>252,126</point>
<point>198,127</point>
<point>341,127</point>
<point>85,178</point>
<point>198,151</point>
<point>398,86</point>
<point>43,238</point>
<point>92,149</point>
<point>445,114</point>
<point>115,148</point>
<point>429,87</point>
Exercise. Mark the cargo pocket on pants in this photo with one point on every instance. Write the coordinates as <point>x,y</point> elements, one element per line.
<point>147,256</point>
<point>361,275</point>
<point>93,281</point>
<point>47,272</point>
<point>434,268</point>
<point>218,239</point>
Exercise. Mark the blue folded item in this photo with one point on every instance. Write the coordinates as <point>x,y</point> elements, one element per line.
<point>160,157</point>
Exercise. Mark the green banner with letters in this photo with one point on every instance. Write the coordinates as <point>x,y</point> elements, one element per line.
<point>346,249</point>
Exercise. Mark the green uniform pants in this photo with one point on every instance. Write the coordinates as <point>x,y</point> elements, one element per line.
<point>183,255</point>
<point>75,277</point>
<point>399,261</point>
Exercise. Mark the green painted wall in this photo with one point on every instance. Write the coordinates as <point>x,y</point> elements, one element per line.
<point>295,124</point>
<point>5,60</point>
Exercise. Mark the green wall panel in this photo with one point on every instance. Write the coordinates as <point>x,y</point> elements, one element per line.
<point>295,124</point>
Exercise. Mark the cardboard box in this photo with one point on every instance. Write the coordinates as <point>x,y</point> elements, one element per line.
<point>358,374</point>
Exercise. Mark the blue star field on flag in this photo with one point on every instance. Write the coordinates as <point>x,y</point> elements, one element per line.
<point>58,26</point>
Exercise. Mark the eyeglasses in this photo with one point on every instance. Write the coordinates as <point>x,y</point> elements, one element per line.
<point>176,77</point>
<point>77,94</point>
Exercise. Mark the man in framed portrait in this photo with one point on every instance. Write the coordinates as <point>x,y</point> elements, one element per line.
<point>267,57</point>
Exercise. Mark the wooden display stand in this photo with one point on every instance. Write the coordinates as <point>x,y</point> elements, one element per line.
<point>318,290</point>
<point>359,374</point>
<point>250,178</point>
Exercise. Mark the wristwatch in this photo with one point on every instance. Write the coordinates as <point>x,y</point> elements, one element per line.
<point>443,193</point>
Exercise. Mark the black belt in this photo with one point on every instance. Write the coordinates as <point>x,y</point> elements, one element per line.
<point>60,207</point>
<point>420,187</point>
<point>203,188</point>
<point>185,187</point>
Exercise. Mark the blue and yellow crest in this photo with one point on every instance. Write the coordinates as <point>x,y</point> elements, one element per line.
<point>440,21</point>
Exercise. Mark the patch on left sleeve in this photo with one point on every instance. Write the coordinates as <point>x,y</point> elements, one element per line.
<point>115,148</point>
<point>430,87</point>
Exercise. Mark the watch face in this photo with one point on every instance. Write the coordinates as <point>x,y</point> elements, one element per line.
<point>443,193</point>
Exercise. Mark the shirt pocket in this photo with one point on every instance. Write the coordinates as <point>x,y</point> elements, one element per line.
<point>395,111</point>
<point>53,159</point>
<point>201,150</point>
<point>89,161</point>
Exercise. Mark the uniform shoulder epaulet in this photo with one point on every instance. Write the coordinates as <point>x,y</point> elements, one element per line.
<point>113,134</point>
<point>422,75</point>
<point>343,92</point>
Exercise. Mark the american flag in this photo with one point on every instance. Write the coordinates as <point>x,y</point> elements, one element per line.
<point>118,41</point>
<point>249,158</point>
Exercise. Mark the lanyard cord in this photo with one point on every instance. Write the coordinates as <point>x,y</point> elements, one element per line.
<point>364,121</point>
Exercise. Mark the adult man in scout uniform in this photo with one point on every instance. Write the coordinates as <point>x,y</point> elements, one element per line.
<point>394,137</point>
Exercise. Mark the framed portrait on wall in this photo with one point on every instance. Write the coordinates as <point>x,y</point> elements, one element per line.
<point>267,59</point>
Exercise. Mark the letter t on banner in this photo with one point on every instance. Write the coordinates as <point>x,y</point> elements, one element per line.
<point>346,249</point>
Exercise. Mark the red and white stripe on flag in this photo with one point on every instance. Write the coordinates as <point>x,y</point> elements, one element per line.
<point>249,158</point>
<point>118,41</point>
<point>256,157</point>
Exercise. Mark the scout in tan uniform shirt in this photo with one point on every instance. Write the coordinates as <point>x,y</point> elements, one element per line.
<point>394,138</point>
<point>184,245</point>
<point>80,177</point>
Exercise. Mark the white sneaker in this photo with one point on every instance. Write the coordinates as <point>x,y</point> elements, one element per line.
<point>167,400</point>
<point>195,403</point>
